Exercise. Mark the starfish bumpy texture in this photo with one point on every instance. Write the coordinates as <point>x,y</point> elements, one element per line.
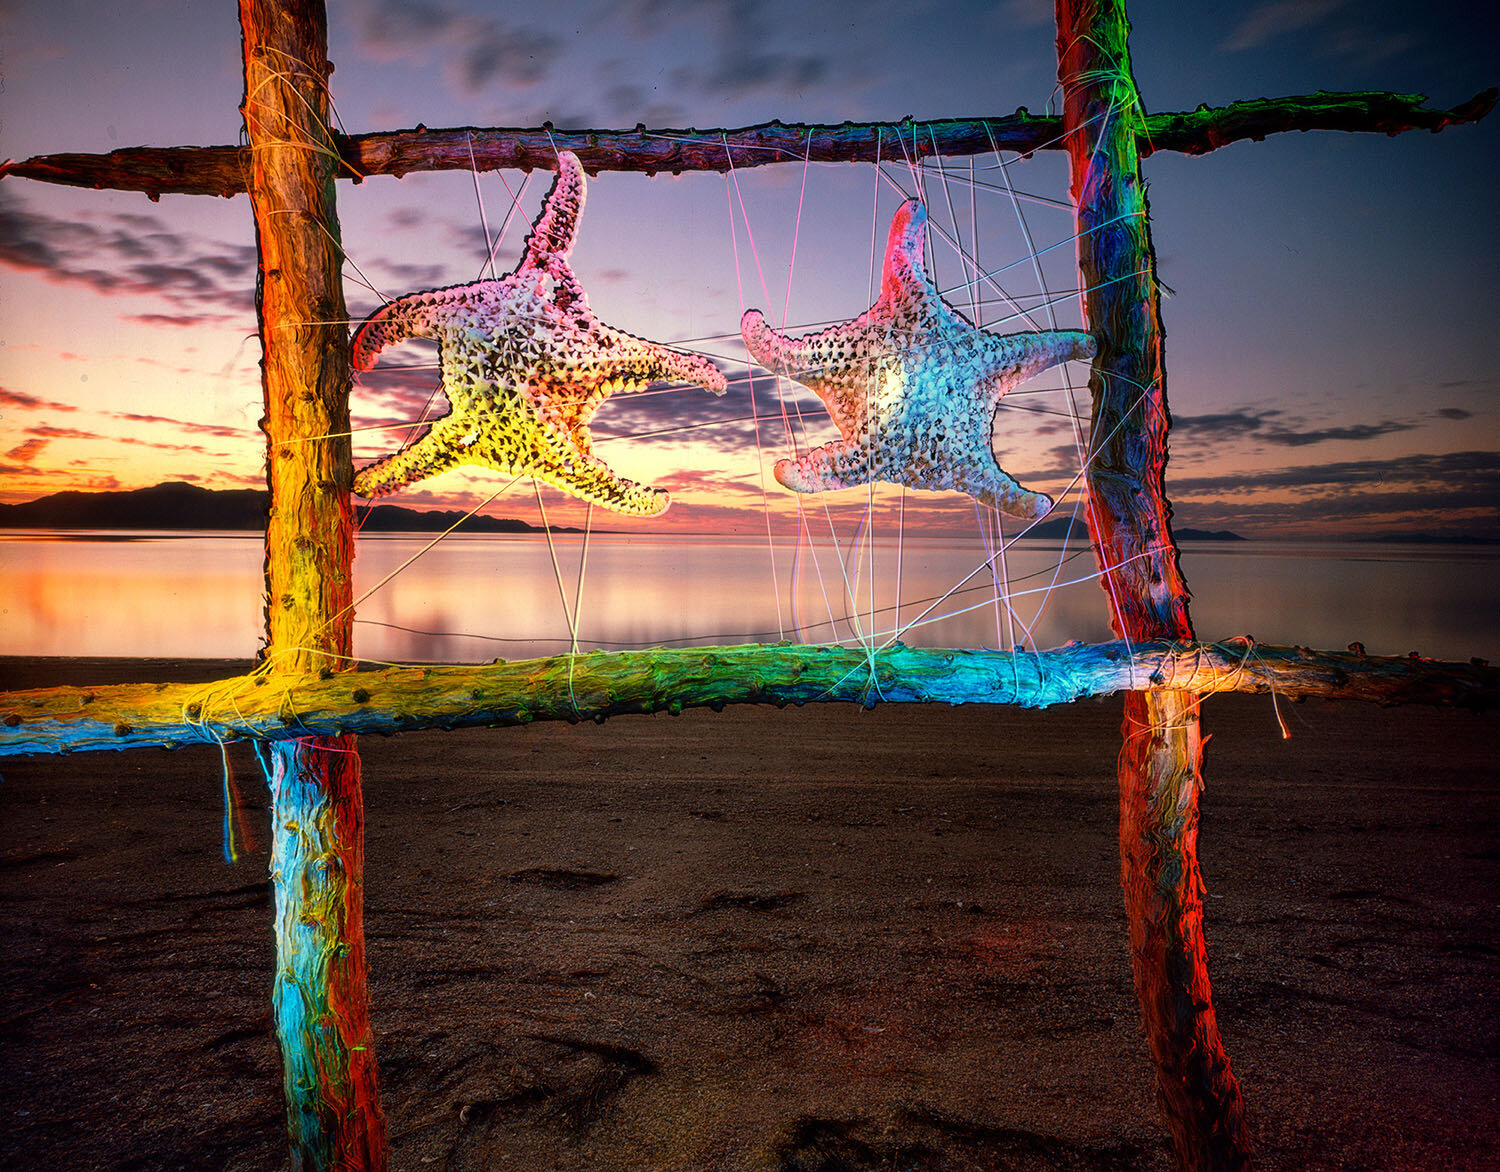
<point>525,363</point>
<point>911,385</point>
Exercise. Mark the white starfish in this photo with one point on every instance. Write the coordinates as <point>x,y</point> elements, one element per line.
<point>525,364</point>
<point>911,385</point>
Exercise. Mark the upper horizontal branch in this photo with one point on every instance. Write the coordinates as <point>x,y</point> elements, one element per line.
<point>597,685</point>
<point>221,170</point>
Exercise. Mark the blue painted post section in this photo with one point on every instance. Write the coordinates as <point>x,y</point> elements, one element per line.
<point>322,1017</point>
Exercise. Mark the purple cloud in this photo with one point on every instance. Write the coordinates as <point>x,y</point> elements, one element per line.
<point>123,253</point>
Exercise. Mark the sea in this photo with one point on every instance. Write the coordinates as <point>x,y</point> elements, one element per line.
<point>476,598</point>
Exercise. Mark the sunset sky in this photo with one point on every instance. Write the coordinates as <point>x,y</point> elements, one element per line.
<point>1330,331</point>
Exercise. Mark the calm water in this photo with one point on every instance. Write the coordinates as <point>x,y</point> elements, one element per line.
<point>475,598</point>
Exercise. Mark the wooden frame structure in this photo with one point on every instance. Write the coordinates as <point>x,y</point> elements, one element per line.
<point>307,709</point>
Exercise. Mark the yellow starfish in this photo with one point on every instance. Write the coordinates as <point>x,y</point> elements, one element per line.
<point>911,385</point>
<point>525,364</point>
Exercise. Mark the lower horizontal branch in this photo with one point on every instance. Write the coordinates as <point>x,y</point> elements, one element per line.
<point>268,706</point>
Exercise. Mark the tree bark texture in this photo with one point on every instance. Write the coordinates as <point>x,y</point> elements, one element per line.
<point>317,813</point>
<point>220,170</point>
<point>599,685</point>
<point>1160,763</point>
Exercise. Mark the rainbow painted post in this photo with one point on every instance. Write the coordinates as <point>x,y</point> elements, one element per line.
<point>1160,763</point>
<point>317,811</point>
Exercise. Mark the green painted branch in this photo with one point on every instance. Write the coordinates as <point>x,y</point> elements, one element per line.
<point>221,170</point>
<point>1209,128</point>
<point>278,707</point>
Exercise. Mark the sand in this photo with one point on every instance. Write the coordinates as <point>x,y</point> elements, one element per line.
<point>813,940</point>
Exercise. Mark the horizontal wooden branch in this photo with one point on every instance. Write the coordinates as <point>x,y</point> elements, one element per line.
<point>268,706</point>
<point>221,170</point>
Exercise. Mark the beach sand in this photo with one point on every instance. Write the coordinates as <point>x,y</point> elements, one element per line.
<point>811,940</point>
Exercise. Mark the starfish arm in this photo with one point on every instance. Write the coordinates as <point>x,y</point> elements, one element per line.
<point>435,451</point>
<point>556,229</point>
<point>591,479</point>
<point>840,464</point>
<point>1011,359</point>
<point>833,363</point>
<point>771,348</point>
<point>417,315</point>
<point>520,443</point>
<point>525,363</point>
<point>568,388</point>
<point>513,441</point>
<point>1000,489</point>
<point>633,364</point>
<point>911,385</point>
<point>904,270</point>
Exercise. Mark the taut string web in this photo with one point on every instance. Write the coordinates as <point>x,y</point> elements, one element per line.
<point>891,566</point>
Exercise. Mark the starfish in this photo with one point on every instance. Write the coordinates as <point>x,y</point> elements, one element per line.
<point>911,385</point>
<point>525,364</point>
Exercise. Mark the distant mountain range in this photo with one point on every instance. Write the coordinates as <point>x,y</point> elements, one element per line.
<point>1076,529</point>
<point>186,506</point>
<point>177,505</point>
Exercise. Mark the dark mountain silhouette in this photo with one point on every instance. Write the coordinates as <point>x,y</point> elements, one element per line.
<point>177,505</point>
<point>1076,529</point>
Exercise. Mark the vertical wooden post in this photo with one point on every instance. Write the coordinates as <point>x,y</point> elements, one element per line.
<point>320,998</point>
<point>1160,763</point>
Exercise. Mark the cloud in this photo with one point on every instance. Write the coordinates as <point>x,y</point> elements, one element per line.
<point>471,240</point>
<point>398,394</point>
<point>1064,464</point>
<point>26,452</point>
<point>413,276</point>
<point>1454,413</point>
<point>1028,13</point>
<point>221,430</point>
<point>407,217</point>
<point>122,253</point>
<point>626,103</point>
<point>1274,427</point>
<point>1358,432</point>
<point>10,398</point>
<point>180,320</point>
<point>1221,426</point>
<point>645,17</point>
<point>475,51</point>
<point>1266,22</point>
<point>516,56</point>
<point>747,59</point>
<point>687,415</point>
<point>732,493</point>
<point>1450,493</point>
<point>44,433</point>
<point>1345,34</point>
<point>47,431</point>
<point>745,55</point>
<point>1451,474</point>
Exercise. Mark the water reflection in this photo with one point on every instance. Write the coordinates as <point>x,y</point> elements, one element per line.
<point>473,598</point>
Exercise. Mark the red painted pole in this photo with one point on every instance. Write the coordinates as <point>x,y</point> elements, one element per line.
<point>1160,765</point>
